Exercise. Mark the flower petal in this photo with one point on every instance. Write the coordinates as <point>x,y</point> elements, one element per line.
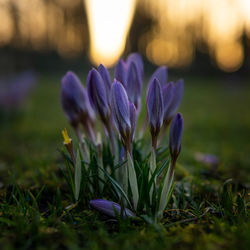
<point>97,94</point>
<point>121,72</point>
<point>133,118</point>
<point>134,84</point>
<point>120,107</point>
<point>110,208</point>
<point>161,73</point>
<point>74,99</point>
<point>175,136</point>
<point>155,105</point>
<point>106,79</point>
<point>137,59</point>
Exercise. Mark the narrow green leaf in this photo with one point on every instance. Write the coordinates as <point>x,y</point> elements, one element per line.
<point>133,181</point>
<point>167,183</point>
<point>78,175</point>
<point>117,187</point>
<point>152,171</point>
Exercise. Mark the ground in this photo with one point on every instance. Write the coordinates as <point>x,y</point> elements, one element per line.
<point>33,194</point>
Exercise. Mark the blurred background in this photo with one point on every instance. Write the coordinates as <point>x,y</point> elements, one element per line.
<point>179,33</point>
<point>206,42</point>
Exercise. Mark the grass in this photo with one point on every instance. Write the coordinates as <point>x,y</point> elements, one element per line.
<point>208,209</point>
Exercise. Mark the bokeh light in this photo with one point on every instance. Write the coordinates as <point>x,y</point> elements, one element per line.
<point>109,23</point>
<point>181,25</point>
<point>177,29</point>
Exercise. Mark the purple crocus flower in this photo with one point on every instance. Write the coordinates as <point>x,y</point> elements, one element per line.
<point>121,112</point>
<point>106,79</point>
<point>133,118</point>
<point>97,95</point>
<point>121,71</point>
<point>176,101</point>
<point>75,100</point>
<point>134,85</point>
<point>137,59</point>
<point>110,208</point>
<point>161,73</point>
<point>168,95</point>
<point>155,109</point>
<point>175,136</point>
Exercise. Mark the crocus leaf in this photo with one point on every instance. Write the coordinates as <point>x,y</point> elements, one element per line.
<point>133,181</point>
<point>78,175</point>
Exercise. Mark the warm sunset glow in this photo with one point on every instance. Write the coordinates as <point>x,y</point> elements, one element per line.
<point>174,31</point>
<point>109,22</point>
<point>182,24</point>
<point>229,57</point>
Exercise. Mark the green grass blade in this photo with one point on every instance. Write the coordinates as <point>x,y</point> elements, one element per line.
<point>133,181</point>
<point>78,175</point>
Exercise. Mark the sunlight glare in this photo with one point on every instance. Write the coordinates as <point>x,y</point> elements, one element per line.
<point>109,22</point>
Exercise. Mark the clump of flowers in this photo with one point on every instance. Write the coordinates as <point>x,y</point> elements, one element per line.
<point>111,168</point>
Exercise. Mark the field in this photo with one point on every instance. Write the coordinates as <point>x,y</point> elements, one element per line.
<point>207,211</point>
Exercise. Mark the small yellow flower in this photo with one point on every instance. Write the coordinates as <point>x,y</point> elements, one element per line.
<point>66,138</point>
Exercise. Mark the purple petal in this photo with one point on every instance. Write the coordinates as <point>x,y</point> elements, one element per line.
<point>137,59</point>
<point>121,72</point>
<point>175,136</point>
<point>106,79</point>
<point>134,85</point>
<point>97,94</point>
<point>176,101</point>
<point>120,107</point>
<point>168,94</point>
<point>122,154</point>
<point>161,74</point>
<point>110,208</point>
<point>133,118</point>
<point>74,99</point>
<point>155,105</point>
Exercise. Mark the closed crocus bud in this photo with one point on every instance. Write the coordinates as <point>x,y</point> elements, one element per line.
<point>168,94</point>
<point>134,85</point>
<point>106,79</point>
<point>97,94</point>
<point>133,118</point>
<point>155,109</point>
<point>121,71</point>
<point>137,59</point>
<point>120,111</point>
<point>176,101</point>
<point>175,136</point>
<point>110,208</point>
<point>74,99</point>
<point>161,73</point>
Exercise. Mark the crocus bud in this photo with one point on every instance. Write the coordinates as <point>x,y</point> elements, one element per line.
<point>161,73</point>
<point>97,95</point>
<point>136,58</point>
<point>133,119</point>
<point>121,72</point>
<point>175,135</point>
<point>74,99</point>
<point>120,111</point>
<point>176,101</point>
<point>168,94</point>
<point>134,85</point>
<point>110,208</point>
<point>106,79</point>
<point>155,109</point>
